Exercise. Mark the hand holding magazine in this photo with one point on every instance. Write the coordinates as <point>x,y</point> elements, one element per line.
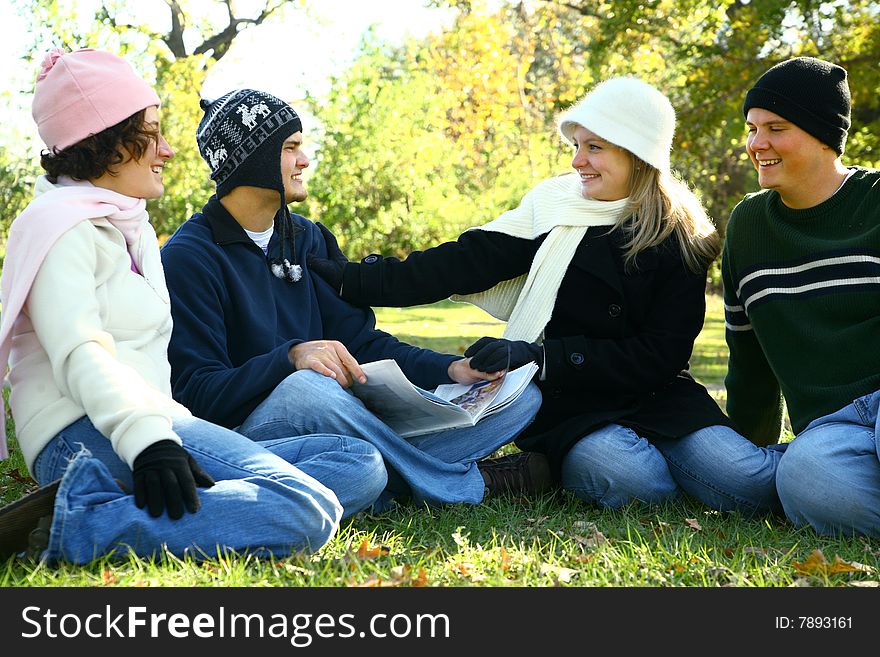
<point>411,411</point>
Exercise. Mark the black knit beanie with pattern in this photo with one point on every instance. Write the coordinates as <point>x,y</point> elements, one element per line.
<point>811,93</point>
<point>240,137</point>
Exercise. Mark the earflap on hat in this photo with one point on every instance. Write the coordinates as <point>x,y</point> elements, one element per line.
<point>629,113</point>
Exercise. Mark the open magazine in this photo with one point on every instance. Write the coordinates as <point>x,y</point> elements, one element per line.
<point>412,411</point>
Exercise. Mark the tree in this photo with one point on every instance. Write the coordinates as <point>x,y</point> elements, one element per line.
<point>175,57</point>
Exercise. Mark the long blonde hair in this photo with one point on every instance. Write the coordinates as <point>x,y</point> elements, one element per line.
<point>661,204</point>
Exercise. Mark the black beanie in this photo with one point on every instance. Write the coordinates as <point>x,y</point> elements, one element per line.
<point>240,137</point>
<point>811,93</point>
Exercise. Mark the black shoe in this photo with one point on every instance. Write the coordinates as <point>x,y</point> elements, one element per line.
<point>19,519</point>
<point>523,473</point>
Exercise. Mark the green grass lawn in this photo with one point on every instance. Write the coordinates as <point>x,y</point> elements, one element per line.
<point>551,541</point>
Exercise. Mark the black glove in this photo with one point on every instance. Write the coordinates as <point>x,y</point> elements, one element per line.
<point>330,268</point>
<point>165,477</point>
<point>496,354</point>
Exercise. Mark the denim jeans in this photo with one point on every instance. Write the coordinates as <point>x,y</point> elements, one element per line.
<point>614,465</point>
<point>829,477</point>
<point>436,468</point>
<point>261,503</point>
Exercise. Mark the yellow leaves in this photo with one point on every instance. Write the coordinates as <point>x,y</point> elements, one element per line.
<point>817,565</point>
<point>400,576</point>
<point>108,578</point>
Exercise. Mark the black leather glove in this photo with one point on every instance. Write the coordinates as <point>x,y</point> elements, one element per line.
<point>496,354</point>
<point>331,267</point>
<point>165,478</point>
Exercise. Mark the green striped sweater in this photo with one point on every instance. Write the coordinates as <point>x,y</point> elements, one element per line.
<point>802,306</point>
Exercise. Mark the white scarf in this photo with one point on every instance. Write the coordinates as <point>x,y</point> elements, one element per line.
<point>555,205</point>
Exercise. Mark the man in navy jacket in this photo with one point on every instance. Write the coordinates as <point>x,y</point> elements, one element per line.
<point>262,346</point>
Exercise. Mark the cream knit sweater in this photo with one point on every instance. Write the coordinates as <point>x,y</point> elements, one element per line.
<point>93,340</point>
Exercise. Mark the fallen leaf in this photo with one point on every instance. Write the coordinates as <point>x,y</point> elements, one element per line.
<point>108,578</point>
<point>817,564</point>
<point>366,552</point>
<point>814,564</point>
<point>755,550</point>
<point>505,560</point>
<point>693,524</point>
<point>464,568</point>
<point>401,572</point>
<point>561,573</point>
<point>421,580</point>
<point>533,521</point>
<point>866,583</point>
<point>372,583</point>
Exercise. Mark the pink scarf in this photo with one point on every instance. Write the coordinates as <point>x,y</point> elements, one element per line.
<point>55,210</point>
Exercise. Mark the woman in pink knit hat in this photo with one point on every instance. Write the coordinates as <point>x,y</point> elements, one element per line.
<point>85,328</point>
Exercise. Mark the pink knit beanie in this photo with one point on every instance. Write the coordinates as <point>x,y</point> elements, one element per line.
<point>81,93</point>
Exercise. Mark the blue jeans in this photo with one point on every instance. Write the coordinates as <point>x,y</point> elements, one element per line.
<point>614,466</point>
<point>261,502</point>
<point>829,477</point>
<point>436,468</point>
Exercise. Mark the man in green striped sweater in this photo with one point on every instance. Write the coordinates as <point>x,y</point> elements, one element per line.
<point>801,271</point>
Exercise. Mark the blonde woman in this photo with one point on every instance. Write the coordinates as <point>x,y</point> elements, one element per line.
<point>601,277</point>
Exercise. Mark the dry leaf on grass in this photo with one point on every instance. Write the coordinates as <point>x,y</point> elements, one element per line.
<point>560,573</point>
<point>693,524</point>
<point>505,560</point>
<point>108,578</point>
<point>591,537</point>
<point>817,564</point>
<point>367,552</point>
<point>400,576</point>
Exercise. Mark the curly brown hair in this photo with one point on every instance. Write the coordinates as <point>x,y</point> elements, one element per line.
<point>93,156</point>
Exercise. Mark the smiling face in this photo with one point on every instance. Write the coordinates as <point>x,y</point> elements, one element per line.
<point>293,161</point>
<point>787,158</point>
<point>605,169</point>
<point>140,178</point>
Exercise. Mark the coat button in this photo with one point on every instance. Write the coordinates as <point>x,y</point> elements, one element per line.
<point>370,259</point>
<point>614,310</point>
<point>576,359</point>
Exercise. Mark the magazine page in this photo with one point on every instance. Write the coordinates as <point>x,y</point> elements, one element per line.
<point>408,410</point>
<point>486,397</point>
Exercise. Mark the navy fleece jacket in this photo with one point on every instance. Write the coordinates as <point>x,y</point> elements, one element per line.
<point>234,322</point>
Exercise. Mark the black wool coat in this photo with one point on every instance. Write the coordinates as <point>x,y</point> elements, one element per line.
<point>616,347</point>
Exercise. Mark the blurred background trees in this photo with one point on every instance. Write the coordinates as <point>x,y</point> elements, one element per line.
<point>417,142</point>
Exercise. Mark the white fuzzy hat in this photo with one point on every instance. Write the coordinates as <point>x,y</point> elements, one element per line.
<point>629,113</point>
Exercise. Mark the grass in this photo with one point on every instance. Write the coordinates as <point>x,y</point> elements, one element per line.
<point>551,541</point>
